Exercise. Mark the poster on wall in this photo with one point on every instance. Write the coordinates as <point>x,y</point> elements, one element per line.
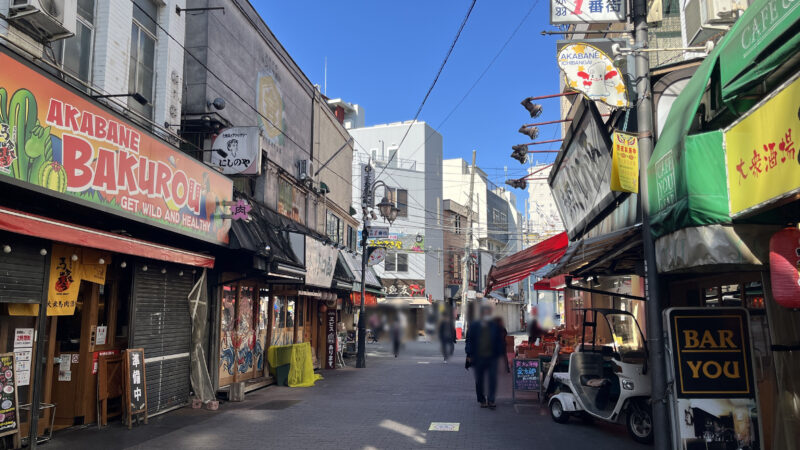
<point>9,420</point>
<point>714,399</point>
<point>61,143</point>
<point>236,151</point>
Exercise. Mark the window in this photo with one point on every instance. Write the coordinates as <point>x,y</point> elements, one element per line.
<point>143,52</point>
<point>402,262</point>
<point>396,262</point>
<point>456,266</point>
<point>335,228</point>
<point>74,54</point>
<point>457,224</point>
<point>499,218</point>
<point>352,238</point>
<point>400,199</point>
<point>393,163</point>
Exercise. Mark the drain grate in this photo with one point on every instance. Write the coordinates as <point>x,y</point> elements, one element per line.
<point>276,405</point>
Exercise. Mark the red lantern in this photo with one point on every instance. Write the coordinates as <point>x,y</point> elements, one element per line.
<point>784,267</point>
<point>323,308</point>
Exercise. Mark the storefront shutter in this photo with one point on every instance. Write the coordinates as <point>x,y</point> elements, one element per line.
<point>22,271</point>
<point>162,326</point>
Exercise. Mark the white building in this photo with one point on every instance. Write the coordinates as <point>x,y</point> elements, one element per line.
<point>543,219</point>
<point>413,172</point>
<point>497,224</point>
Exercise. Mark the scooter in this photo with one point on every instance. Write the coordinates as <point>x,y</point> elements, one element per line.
<point>607,377</point>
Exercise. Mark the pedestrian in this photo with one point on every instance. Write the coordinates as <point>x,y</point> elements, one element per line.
<point>484,347</point>
<point>534,331</point>
<point>503,334</point>
<point>398,327</point>
<point>447,337</point>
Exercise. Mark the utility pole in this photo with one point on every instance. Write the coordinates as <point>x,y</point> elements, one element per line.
<point>655,332</point>
<point>467,249</point>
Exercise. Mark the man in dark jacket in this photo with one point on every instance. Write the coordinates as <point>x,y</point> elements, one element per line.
<point>484,347</point>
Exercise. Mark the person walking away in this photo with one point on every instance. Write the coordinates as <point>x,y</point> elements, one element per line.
<point>398,328</point>
<point>534,331</point>
<point>503,334</point>
<point>484,347</point>
<point>447,337</point>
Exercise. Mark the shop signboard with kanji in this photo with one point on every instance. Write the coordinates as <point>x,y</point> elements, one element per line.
<point>761,152</point>
<point>135,384</point>
<point>625,162</point>
<point>588,11</point>
<point>331,338</point>
<point>55,141</point>
<point>580,178</point>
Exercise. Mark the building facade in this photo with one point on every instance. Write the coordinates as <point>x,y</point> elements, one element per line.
<point>413,266</point>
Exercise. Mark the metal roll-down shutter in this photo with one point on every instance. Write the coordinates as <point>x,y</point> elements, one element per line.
<point>162,326</point>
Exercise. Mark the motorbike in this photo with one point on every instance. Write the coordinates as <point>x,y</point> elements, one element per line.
<point>607,377</point>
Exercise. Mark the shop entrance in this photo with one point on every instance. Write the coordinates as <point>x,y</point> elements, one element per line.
<point>243,332</point>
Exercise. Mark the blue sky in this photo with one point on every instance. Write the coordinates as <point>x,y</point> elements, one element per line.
<point>383,55</point>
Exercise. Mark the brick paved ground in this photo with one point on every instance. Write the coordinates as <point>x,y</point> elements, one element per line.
<point>389,405</point>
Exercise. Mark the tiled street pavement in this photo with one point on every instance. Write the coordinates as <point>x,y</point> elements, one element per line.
<point>391,404</point>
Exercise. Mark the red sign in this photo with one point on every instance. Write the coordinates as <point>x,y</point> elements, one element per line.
<point>58,140</point>
<point>784,267</point>
<point>332,341</point>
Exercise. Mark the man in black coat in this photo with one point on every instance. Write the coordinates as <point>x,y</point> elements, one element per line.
<point>485,345</point>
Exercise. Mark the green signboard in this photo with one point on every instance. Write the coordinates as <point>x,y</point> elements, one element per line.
<point>757,45</point>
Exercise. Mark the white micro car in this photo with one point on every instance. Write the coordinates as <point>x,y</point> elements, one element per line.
<point>608,382</point>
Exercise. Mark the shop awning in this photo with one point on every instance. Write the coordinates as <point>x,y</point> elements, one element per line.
<point>687,184</point>
<point>343,277</point>
<point>44,228</point>
<point>615,253</point>
<point>354,264</point>
<point>520,265</point>
<point>406,302</point>
<point>284,238</point>
<point>545,285</point>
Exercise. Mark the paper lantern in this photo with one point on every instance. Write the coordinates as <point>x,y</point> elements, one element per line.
<point>784,267</point>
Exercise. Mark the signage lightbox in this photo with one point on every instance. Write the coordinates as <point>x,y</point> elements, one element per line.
<point>564,12</point>
<point>714,398</point>
<point>589,70</point>
<point>56,141</point>
<point>236,151</point>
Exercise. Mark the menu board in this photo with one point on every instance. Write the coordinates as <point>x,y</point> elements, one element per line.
<point>9,422</point>
<point>526,375</point>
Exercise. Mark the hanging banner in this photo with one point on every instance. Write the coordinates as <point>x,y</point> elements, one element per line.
<point>236,151</point>
<point>625,162</point>
<point>762,157</point>
<point>57,141</point>
<point>93,265</point>
<point>589,70</point>
<point>64,282</point>
<point>588,11</point>
<point>331,338</point>
<point>9,419</point>
<point>714,400</point>
<point>784,267</point>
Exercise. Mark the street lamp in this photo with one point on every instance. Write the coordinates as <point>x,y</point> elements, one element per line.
<point>389,212</point>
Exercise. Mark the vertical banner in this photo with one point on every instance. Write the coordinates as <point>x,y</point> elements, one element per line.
<point>625,162</point>
<point>714,399</point>
<point>64,282</point>
<point>9,420</point>
<point>331,344</point>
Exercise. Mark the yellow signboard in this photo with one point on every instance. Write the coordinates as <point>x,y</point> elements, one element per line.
<point>625,162</point>
<point>761,154</point>
<point>64,282</point>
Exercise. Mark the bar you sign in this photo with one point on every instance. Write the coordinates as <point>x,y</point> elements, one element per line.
<point>587,11</point>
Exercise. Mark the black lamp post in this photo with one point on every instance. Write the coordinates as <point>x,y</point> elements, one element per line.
<point>389,212</point>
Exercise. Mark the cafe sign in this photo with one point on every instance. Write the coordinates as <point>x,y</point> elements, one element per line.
<point>55,140</point>
<point>762,154</point>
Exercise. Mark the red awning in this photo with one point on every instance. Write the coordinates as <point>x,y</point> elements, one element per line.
<point>520,265</point>
<point>42,227</point>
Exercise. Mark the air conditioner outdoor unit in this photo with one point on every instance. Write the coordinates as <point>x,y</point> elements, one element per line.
<point>304,171</point>
<point>45,20</point>
<point>707,18</point>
